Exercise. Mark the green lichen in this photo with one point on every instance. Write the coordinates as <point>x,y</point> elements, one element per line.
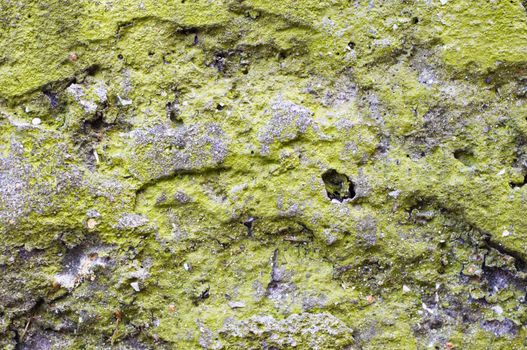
<point>254,174</point>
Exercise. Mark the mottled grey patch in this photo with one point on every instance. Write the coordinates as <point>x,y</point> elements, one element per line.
<point>178,232</point>
<point>131,220</point>
<point>161,151</point>
<point>330,237</point>
<point>305,330</point>
<point>92,213</point>
<point>334,92</point>
<point>207,339</point>
<point>289,209</point>
<point>77,92</point>
<point>311,301</point>
<point>367,232</point>
<point>375,107</point>
<point>35,179</point>
<point>362,186</point>
<point>500,328</point>
<point>182,197</point>
<point>259,290</point>
<point>288,121</point>
<point>101,90</point>
<point>45,340</point>
<point>439,125</point>
<point>280,288</point>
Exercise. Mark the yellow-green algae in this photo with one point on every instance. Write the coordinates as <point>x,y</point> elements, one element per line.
<point>172,194</point>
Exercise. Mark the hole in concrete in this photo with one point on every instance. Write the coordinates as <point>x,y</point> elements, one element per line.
<point>52,97</point>
<point>96,124</point>
<point>338,186</point>
<point>465,156</point>
<point>173,112</point>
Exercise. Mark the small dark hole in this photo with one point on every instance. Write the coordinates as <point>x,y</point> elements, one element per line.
<point>95,124</point>
<point>338,186</point>
<point>92,70</point>
<point>202,296</point>
<point>465,156</point>
<point>351,45</point>
<point>173,112</point>
<point>119,56</point>
<point>415,20</point>
<point>249,224</point>
<point>220,107</point>
<point>52,97</point>
<point>151,53</point>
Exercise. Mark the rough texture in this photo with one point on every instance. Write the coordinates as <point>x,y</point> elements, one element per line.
<point>255,174</point>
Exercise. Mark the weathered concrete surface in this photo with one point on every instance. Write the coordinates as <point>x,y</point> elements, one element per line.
<point>253,174</point>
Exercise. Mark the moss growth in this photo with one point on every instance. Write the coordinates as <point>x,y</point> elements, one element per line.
<point>167,170</point>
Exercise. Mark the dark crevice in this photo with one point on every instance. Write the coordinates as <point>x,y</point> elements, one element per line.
<point>52,97</point>
<point>514,184</point>
<point>173,112</point>
<point>219,61</point>
<point>187,30</point>
<point>20,337</point>
<point>96,124</point>
<point>205,294</point>
<point>249,224</point>
<point>92,69</point>
<point>16,338</point>
<point>275,275</point>
<point>465,156</point>
<point>338,186</point>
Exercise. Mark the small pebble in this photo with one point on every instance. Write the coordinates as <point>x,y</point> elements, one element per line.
<point>394,194</point>
<point>36,121</point>
<point>497,309</point>
<point>135,286</point>
<point>406,289</point>
<point>91,223</point>
<point>72,57</point>
<point>123,101</point>
<point>236,304</point>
